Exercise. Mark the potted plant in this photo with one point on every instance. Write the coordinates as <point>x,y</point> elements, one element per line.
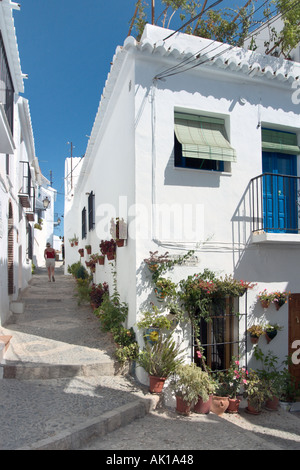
<point>280,298</point>
<point>164,288</point>
<point>256,391</point>
<point>207,386</point>
<point>255,332</point>
<point>97,294</point>
<point>187,385</point>
<point>271,331</point>
<point>88,249</point>
<point>155,261</point>
<point>81,252</point>
<point>118,231</point>
<point>152,322</point>
<point>108,248</point>
<point>159,360</point>
<point>265,298</point>
<point>230,383</point>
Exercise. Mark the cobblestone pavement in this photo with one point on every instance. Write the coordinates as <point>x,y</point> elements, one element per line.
<point>164,430</point>
<point>61,391</point>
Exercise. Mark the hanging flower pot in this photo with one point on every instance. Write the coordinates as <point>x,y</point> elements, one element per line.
<point>254,339</point>
<point>156,384</point>
<point>265,303</point>
<point>101,260</point>
<point>270,334</point>
<point>151,335</point>
<point>81,252</point>
<point>159,294</point>
<point>88,249</point>
<point>120,243</point>
<point>110,255</point>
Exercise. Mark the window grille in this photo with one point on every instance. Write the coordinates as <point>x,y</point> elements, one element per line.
<point>83,223</point>
<point>91,210</point>
<point>220,337</point>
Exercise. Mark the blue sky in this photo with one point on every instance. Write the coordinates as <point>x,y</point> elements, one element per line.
<point>66,47</point>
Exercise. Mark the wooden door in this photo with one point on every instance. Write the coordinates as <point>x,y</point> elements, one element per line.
<point>294,335</point>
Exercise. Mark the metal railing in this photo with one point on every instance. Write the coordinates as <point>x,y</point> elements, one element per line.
<point>275,203</point>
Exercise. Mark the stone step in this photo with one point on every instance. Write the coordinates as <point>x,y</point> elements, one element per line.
<point>4,344</point>
<point>58,371</point>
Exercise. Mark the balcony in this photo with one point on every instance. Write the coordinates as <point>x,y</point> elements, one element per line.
<point>275,208</point>
<point>26,191</point>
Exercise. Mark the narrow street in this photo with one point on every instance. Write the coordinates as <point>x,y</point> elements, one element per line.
<point>61,389</point>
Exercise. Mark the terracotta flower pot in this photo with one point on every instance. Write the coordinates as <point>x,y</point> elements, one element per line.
<point>101,260</point>
<point>120,242</point>
<point>182,407</point>
<point>156,384</point>
<point>265,303</point>
<point>252,409</point>
<point>219,405</point>
<point>272,404</point>
<point>110,255</point>
<point>234,404</point>
<point>203,407</point>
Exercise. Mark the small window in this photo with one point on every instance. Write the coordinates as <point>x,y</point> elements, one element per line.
<point>91,210</point>
<point>83,223</point>
<point>201,143</point>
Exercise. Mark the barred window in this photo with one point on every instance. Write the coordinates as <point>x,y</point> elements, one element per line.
<point>83,223</point>
<point>91,210</point>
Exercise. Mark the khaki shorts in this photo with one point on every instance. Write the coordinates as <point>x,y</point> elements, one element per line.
<point>50,262</point>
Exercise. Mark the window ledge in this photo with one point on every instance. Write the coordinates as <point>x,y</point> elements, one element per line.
<point>264,237</point>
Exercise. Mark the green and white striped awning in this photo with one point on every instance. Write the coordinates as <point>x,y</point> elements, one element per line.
<point>280,142</point>
<point>203,137</point>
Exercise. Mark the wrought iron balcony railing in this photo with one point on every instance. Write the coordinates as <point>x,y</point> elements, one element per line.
<point>275,203</point>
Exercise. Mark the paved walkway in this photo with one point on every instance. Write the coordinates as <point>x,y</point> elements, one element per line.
<point>61,389</point>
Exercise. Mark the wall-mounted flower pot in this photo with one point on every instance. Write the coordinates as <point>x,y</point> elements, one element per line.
<point>120,242</point>
<point>89,250</point>
<point>159,294</point>
<point>101,260</point>
<point>254,339</point>
<point>110,255</point>
<point>265,303</point>
<point>270,335</point>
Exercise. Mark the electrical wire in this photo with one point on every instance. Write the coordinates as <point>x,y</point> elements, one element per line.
<point>197,54</point>
<point>176,69</point>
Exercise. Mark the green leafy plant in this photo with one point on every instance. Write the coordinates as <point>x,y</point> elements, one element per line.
<point>256,330</point>
<point>166,286</point>
<point>127,346</point>
<point>154,319</point>
<point>190,382</point>
<point>97,293</point>
<point>161,359</point>
<point>231,381</point>
<point>83,290</point>
<point>256,390</point>
<point>265,296</point>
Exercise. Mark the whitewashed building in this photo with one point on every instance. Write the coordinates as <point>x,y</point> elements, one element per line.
<point>20,176</point>
<point>185,129</point>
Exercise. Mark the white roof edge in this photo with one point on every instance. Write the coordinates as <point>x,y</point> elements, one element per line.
<point>181,45</point>
<point>11,45</point>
